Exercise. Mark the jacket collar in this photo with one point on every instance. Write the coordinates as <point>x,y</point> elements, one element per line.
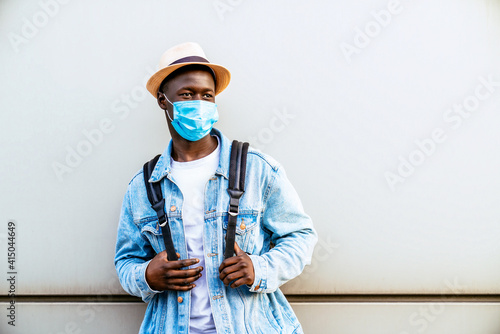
<point>163,166</point>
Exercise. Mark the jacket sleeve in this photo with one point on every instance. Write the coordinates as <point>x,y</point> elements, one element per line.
<point>292,234</point>
<point>133,254</point>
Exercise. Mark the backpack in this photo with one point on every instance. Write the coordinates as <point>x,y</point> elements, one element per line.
<point>236,188</point>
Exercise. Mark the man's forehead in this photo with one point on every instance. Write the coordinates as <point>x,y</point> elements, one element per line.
<point>192,76</point>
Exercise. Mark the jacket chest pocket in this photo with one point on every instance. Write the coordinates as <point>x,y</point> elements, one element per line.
<point>152,232</point>
<point>246,230</point>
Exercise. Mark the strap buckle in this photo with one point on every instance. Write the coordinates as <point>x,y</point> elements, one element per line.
<point>232,213</point>
<point>234,201</point>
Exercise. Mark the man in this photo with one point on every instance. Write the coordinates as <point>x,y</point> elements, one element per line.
<point>202,292</point>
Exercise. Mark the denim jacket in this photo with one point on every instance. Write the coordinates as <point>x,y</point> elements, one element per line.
<point>271,226</point>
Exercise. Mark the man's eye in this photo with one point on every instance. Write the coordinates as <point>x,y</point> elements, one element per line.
<point>208,96</point>
<point>185,94</point>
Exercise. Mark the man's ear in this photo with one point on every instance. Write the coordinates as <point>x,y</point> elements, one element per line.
<point>162,100</point>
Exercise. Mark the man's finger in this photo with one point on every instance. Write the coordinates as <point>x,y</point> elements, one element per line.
<point>231,277</point>
<point>172,273</point>
<point>183,281</point>
<point>182,263</point>
<point>237,249</point>
<point>165,255</point>
<point>227,270</point>
<point>180,287</point>
<point>239,282</point>
<point>228,262</point>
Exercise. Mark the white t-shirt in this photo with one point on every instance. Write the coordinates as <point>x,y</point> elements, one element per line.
<point>192,177</point>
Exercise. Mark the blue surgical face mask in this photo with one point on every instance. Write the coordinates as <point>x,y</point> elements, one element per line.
<point>193,119</point>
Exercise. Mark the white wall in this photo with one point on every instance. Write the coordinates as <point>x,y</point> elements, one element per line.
<point>339,110</point>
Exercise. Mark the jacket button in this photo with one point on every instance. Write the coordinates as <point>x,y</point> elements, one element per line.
<point>243,226</point>
<point>179,299</point>
<point>173,208</point>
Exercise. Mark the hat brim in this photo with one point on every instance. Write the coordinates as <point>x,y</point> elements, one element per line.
<point>222,76</point>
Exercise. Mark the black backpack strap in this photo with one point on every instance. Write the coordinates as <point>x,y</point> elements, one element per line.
<point>237,170</point>
<point>157,201</point>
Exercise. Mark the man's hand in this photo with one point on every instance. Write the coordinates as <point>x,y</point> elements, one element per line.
<point>238,268</point>
<point>162,274</point>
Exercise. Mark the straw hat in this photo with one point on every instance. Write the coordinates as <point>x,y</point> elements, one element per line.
<point>182,55</point>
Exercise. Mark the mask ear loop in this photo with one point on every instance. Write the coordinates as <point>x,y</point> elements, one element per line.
<point>166,110</point>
